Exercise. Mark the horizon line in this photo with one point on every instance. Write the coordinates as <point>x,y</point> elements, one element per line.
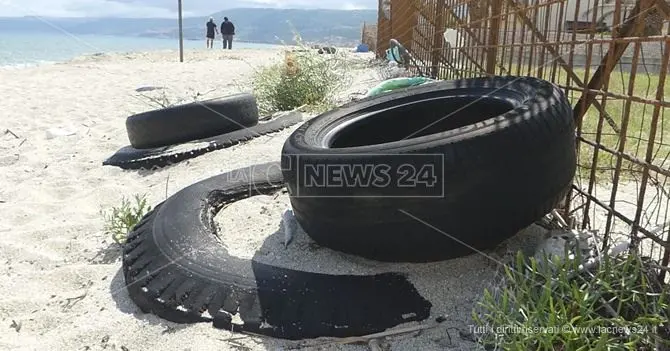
<point>190,16</point>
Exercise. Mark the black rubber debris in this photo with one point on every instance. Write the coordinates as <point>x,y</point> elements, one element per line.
<point>129,157</point>
<point>432,172</point>
<point>196,120</point>
<point>175,267</point>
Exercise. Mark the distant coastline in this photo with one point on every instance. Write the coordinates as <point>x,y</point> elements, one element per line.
<point>18,50</point>
<point>254,25</point>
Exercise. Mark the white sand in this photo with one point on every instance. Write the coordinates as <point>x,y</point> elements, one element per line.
<point>60,273</point>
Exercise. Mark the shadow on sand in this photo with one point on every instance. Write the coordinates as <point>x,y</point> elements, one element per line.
<point>301,304</point>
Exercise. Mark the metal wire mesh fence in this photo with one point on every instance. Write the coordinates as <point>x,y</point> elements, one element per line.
<point>369,36</point>
<point>610,57</point>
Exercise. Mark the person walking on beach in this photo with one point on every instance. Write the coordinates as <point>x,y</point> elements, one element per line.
<point>211,30</point>
<point>227,32</point>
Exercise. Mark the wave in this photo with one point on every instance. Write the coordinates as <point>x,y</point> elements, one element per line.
<point>23,65</point>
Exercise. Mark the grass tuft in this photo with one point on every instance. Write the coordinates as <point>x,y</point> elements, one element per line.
<point>619,305</point>
<point>302,78</point>
<point>122,219</point>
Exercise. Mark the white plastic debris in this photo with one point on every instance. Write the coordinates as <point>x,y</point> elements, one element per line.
<point>59,132</point>
<point>451,36</point>
<point>553,247</point>
<point>557,241</point>
<point>395,71</point>
<point>619,248</point>
<point>288,223</point>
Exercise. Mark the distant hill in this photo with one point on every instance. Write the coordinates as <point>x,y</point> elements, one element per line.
<point>265,25</point>
<point>261,25</point>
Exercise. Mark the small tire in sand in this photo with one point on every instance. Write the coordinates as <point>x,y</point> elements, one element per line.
<point>486,157</point>
<point>176,268</point>
<point>129,157</point>
<point>192,121</point>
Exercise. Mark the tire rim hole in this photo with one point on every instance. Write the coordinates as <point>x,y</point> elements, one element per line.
<point>417,119</point>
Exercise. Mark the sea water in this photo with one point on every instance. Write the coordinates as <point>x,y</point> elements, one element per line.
<point>19,49</point>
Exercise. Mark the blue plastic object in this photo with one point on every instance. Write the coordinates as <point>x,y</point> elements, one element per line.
<point>393,55</point>
<point>362,48</point>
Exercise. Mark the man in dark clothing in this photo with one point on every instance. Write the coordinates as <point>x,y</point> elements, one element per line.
<point>227,32</point>
<point>211,30</point>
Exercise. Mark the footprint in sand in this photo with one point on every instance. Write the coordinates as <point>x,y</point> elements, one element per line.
<point>8,160</point>
<point>60,191</point>
<point>19,217</point>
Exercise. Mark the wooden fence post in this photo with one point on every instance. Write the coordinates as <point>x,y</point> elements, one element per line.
<point>403,21</point>
<point>494,32</point>
<point>438,39</point>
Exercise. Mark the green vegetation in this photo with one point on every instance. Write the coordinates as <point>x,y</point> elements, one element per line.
<point>638,128</point>
<point>302,78</point>
<point>618,305</point>
<point>639,123</point>
<point>122,219</point>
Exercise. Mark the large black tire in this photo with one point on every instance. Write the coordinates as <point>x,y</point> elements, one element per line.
<point>175,267</point>
<point>129,157</point>
<point>502,151</point>
<point>197,120</point>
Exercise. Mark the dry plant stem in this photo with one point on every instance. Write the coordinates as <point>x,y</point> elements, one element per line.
<point>198,94</point>
<point>7,131</point>
<point>162,103</point>
<point>71,301</point>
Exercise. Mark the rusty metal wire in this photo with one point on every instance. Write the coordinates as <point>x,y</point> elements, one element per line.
<point>369,36</point>
<point>611,58</point>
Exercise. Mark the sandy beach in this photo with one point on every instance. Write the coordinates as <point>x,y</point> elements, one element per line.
<point>60,272</point>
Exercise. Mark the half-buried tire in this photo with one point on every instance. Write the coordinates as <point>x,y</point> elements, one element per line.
<point>197,120</point>
<point>432,172</point>
<point>129,157</point>
<point>176,268</point>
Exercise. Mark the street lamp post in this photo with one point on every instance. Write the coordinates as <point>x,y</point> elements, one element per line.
<point>181,34</point>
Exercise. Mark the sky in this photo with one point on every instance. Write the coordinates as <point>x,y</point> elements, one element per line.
<point>157,8</point>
